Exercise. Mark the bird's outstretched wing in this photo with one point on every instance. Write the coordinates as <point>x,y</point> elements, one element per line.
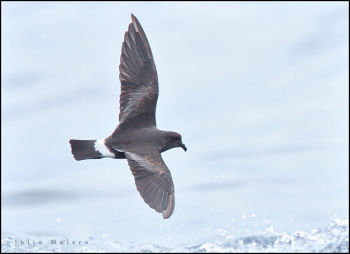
<point>138,78</point>
<point>153,181</point>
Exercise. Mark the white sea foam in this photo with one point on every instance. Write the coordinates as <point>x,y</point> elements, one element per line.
<point>333,238</point>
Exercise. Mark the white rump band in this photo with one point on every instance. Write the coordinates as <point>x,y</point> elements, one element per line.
<point>102,148</point>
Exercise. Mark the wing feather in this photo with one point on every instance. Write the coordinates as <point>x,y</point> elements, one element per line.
<point>139,80</point>
<point>153,181</point>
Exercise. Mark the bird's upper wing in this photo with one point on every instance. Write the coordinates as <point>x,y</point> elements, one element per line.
<point>139,79</point>
<point>153,181</point>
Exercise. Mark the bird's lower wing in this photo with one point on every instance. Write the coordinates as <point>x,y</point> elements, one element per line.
<point>153,181</point>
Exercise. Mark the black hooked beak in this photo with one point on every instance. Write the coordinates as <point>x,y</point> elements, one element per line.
<point>183,146</point>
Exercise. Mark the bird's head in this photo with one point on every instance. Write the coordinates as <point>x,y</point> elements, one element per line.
<point>174,140</point>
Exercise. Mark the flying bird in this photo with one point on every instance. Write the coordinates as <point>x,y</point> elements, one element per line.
<point>137,137</point>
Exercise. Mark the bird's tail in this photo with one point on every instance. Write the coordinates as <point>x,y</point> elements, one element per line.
<point>84,149</point>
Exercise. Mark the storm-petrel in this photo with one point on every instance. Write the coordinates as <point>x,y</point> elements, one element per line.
<point>137,137</point>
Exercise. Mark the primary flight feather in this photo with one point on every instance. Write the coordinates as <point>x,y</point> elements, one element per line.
<point>137,137</point>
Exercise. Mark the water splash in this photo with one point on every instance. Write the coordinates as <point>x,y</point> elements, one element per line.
<point>333,238</point>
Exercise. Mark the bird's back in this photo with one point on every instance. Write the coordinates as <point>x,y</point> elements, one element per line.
<point>139,140</point>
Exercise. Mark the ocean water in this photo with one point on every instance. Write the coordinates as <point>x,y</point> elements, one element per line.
<point>258,91</point>
<point>333,238</point>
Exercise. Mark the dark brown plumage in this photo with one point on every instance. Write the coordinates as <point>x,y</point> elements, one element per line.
<point>137,138</point>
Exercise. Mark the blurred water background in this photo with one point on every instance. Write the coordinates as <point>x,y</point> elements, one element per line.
<point>259,92</point>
